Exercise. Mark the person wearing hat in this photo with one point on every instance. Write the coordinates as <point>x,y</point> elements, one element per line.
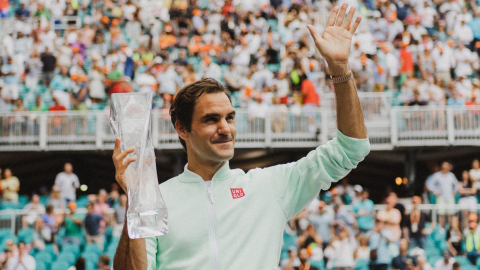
<point>378,26</point>
<point>363,210</point>
<point>403,260</point>
<point>72,222</point>
<point>56,199</point>
<point>322,220</point>
<point>415,222</point>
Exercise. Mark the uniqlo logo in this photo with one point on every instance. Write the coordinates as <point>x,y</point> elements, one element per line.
<point>237,193</point>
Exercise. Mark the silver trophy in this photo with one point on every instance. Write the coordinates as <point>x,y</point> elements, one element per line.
<point>130,120</point>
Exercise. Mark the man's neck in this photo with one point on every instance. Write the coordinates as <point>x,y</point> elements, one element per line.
<point>206,170</point>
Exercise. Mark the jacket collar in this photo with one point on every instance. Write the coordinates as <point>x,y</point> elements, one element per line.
<point>190,177</point>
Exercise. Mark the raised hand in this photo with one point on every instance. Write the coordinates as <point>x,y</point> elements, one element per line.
<point>335,42</point>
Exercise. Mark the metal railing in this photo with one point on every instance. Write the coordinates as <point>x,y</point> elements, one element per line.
<point>282,127</point>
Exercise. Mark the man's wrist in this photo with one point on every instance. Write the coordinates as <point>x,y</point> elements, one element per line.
<point>338,69</point>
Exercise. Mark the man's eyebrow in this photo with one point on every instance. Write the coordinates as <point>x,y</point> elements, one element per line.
<point>208,115</point>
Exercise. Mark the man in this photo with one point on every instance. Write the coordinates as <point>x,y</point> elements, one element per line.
<point>363,210</point>
<point>10,186</point>
<point>445,187</point>
<point>415,223</point>
<point>32,211</point>
<point>23,261</point>
<point>103,262</point>
<point>95,227</point>
<point>401,261</point>
<point>49,61</point>
<point>68,182</point>
<point>209,228</point>
<point>378,243</point>
<point>472,242</point>
<point>322,222</point>
<point>304,255</point>
<point>10,79</point>
<point>73,225</point>
<point>446,263</point>
<point>119,216</point>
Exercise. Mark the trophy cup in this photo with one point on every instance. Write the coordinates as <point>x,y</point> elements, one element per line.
<point>130,120</point>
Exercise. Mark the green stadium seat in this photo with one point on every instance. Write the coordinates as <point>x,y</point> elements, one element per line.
<point>40,265</point>
<point>361,265</point>
<point>433,259</point>
<point>44,257</point>
<point>23,199</point>
<point>319,264</point>
<point>273,67</point>
<point>91,257</point>
<point>68,257</point>
<point>92,247</point>
<point>71,248</point>
<point>89,265</point>
<point>10,205</point>
<point>60,265</point>
<point>50,248</point>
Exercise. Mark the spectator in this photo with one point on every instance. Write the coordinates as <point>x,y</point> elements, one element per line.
<point>472,243</point>
<point>33,211</point>
<point>454,237</point>
<point>292,261</point>
<point>343,218</point>
<point>445,186</point>
<point>391,219</point>
<point>309,237</point>
<point>9,71</point>
<point>10,186</point>
<point>342,249</point>
<point>101,206</point>
<point>73,225</point>
<point>49,227</point>
<point>446,263</point>
<point>48,66</point>
<point>322,220</point>
<point>120,214</point>
<point>23,261</point>
<point>68,183</point>
<point>456,266</point>
<point>56,199</point>
<point>95,227</point>
<point>363,210</point>
<point>404,261</point>
<point>475,175</point>
<point>416,221</point>
<point>380,238</point>
<point>103,262</point>
<point>467,200</point>
<point>362,252</point>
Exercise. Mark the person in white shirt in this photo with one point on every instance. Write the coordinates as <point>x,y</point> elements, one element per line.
<point>211,69</point>
<point>463,58</point>
<point>146,82</point>
<point>446,263</point>
<point>428,15</point>
<point>23,261</point>
<point>417,30</point>
<point>344,247</point>
<point>444,60</point>
<point>445,186</point>
<point>68,182</point>
<point>475,174</point>
<point>463,33</point>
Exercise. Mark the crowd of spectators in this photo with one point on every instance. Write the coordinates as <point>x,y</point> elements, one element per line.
<point>53,220</point>
<point>342,230</point>
<point>261,50</point>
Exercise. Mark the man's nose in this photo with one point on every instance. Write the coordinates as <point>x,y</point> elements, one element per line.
<point>223,127</point>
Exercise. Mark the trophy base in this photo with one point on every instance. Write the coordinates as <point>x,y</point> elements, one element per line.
<point>147,223</point>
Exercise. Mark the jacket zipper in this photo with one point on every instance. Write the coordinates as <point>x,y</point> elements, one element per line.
<point>212,226</point>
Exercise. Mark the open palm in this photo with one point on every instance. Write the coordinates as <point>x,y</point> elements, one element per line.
<point>334,44</point>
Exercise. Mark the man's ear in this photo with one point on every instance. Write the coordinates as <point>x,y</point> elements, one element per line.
<point>181,130</point>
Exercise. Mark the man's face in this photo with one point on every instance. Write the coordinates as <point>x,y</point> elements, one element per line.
<point>303,255</point>
<point>213,131</point>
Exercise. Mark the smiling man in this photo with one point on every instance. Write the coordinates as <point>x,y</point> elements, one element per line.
<point>221,218</point>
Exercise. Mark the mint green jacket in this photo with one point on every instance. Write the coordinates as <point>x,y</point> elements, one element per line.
<point>243,229</point>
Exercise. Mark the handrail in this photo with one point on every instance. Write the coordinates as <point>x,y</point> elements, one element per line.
<point>280,127</point>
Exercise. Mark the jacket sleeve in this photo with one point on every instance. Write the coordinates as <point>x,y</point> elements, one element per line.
<point>296,184</point>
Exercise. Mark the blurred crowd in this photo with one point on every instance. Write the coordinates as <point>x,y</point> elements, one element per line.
<point>50,218</point>
<point>343,229</point>
<point>71,55</point>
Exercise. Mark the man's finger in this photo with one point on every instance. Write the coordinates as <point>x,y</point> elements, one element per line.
<point>116,150</point>
<point>333,16</point>
<point>130,160</point>
<point>341,15</point>
<point>355,25</point>
<point>348,19</point>
<point>316,36</point>
<point>124,154</point>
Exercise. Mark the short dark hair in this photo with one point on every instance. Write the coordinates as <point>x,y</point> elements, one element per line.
<point>104,259</point>
<point>184,103</point>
